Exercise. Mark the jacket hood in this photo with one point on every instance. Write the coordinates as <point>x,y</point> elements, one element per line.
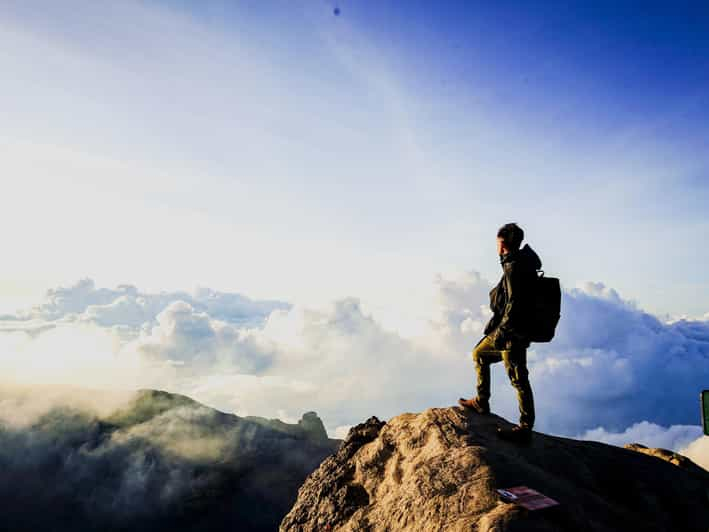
<point>524,255</point>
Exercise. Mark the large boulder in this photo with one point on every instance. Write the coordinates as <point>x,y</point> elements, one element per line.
<point>440,469</point>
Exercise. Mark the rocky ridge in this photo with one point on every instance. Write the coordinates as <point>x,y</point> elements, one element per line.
<point>439,470</point>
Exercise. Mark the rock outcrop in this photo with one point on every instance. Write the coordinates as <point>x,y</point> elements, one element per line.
<point>439,470</point>
<point>667,455</point>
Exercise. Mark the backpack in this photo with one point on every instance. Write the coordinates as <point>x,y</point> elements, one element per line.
<point>547,308</point>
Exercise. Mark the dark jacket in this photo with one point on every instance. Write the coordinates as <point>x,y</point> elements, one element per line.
<point>511,300</point>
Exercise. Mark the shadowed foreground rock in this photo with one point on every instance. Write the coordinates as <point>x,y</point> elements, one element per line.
<point>438,470</point>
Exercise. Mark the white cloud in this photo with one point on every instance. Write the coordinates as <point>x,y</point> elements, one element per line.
<point>698,451</point>
<point>341,431</point>
<point>611,365</point>
<point>687,440</point>
<point>675,437</point>
<point>184,336</point>
<point>22,405</point>
<point>462,310</point>
<point>127,306</point>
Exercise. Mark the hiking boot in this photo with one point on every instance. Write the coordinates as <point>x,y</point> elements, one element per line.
<point>518,433</point>
<point>477,404</point>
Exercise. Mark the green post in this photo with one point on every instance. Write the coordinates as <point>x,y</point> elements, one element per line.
<point>705,410</point>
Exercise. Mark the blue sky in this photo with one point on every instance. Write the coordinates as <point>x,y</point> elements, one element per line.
<point>310,155</point>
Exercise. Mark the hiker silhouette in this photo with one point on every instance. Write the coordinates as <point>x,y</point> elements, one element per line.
<point>507,333</point>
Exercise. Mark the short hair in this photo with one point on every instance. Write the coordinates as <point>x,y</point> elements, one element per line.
<point>511,234</point>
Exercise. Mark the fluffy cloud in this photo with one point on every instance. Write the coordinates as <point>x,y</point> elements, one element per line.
<point>185,336</point>
<point>461,312</point>
<point>127,306</point>
<point>698,451</point>
<point>118,338</point>
<point>611,365</point>
<point>676,437</point>
<point>355,367</point>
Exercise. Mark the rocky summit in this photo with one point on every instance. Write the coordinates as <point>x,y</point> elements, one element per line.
<point>440,470</point>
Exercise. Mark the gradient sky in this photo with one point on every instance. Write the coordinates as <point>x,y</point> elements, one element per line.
<point>278,150</point>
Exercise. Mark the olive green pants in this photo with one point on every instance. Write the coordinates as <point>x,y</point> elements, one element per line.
<point>515,360</point>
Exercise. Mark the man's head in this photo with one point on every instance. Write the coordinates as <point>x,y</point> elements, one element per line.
<point>509,238</point>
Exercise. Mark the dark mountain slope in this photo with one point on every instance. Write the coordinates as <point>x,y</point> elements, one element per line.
<point>162,462</point>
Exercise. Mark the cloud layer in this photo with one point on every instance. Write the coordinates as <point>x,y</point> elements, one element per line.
<point>649,434</point>
<point>128,307</point>
<point>610,368</point>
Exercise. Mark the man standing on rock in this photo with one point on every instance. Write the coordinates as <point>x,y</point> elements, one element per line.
<point>506,334</point>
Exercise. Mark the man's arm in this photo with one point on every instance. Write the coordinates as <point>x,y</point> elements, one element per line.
<point>509,326</point>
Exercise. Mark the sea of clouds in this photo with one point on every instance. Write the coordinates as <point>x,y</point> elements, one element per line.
<point>613,373</point>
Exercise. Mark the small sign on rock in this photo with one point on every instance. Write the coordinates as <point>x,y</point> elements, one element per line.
<point>526,497</point>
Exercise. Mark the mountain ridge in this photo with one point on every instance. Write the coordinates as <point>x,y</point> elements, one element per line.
<point>161,461</point>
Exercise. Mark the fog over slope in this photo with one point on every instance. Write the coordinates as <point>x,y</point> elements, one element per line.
<point>613,373</point>
<point>148,460</point>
